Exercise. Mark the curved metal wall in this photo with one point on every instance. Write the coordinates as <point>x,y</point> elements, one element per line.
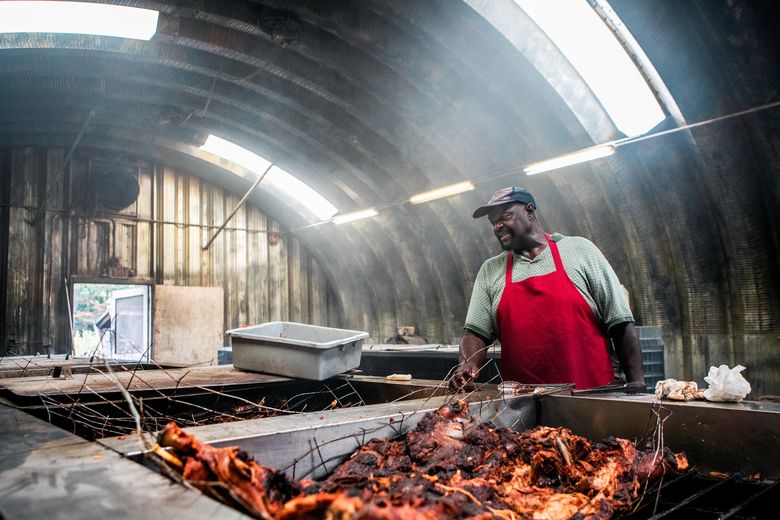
<point>372,101</point>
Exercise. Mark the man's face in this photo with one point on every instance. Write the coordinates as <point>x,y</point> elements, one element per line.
<point>510,225</point>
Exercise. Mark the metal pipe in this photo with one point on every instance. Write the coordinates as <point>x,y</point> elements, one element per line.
<point>240,203</point>
<point>109,215</point>
<point>68,157</point>
<point>70,315</point>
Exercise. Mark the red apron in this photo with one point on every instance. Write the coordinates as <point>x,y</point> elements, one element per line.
<point>549,333</point>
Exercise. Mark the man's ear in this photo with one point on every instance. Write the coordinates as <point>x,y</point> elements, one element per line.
<point>530,211</point>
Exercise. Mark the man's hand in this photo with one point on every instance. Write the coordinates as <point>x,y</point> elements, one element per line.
<point>635,387</point>
<point>626,341</point>
<point>473,351</point>
<point>462,379</point>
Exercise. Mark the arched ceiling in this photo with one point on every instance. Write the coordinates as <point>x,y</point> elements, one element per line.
<point>371,101</point>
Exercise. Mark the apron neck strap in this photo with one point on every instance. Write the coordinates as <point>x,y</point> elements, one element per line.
<point>508,276</point>
<point>555,254</point>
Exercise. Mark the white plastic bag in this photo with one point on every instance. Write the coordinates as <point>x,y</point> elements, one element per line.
<point>726,384</point>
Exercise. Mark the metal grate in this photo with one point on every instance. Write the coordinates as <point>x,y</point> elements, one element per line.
<point>695,496</point>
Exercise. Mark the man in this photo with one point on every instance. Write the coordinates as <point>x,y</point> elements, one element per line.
<point>552,301</point>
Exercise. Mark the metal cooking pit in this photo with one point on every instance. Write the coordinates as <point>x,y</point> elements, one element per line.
<point>311,444</point>
<point>731,447</point>
<point>61,365</point>
<point>96,414</point>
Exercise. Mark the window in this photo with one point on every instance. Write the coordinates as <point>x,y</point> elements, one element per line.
<point>599,58</point>
<point>111,321</point>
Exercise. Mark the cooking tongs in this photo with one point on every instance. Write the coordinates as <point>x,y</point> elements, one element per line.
<point>609,389</point>
<point>513,388</point>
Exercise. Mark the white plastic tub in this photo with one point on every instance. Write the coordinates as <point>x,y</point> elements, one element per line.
<point>296,349</point>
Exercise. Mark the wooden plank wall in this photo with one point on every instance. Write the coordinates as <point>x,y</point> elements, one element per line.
<point>265,274</point>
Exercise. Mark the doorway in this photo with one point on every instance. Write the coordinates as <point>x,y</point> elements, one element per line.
<point>112,321</point>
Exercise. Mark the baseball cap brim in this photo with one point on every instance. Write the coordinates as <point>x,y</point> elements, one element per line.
<point>509,195</point>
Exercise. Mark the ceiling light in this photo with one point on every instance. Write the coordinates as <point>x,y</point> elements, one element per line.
<point>78,18</point>
<point>581,156</point>
<point>300,191</point>
<point>356,215</point>
<point>452,189</point>
<point>599,58</point>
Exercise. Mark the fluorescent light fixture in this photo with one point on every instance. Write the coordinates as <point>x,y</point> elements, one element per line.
<point>581,156</point>
<point>303,193</point>
<point>452,189</point>
<point>77,18</point>
<point>285,185</point>
<point>356,215</point>
<point>235,153</point>
<point>599,58</point>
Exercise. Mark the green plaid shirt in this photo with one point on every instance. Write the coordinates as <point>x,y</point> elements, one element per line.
<point>584,264</point>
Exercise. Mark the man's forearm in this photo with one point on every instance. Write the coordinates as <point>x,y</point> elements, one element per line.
<point>628,351</point>
<point>473,350</point>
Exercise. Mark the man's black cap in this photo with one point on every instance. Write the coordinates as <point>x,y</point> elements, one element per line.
<point>504,196</point>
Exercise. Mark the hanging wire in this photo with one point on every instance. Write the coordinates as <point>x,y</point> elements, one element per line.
<point>625,141</point>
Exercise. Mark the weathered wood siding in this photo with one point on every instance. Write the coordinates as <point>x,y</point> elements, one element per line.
<point>52,234</point>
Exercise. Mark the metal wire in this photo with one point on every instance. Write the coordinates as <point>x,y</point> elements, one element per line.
<point>94,414</point>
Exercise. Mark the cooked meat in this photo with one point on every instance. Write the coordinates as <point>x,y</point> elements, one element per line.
<point>229,474</point>
<point>322,505</point>
<point>449,466</point>
<point>678,390</point>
